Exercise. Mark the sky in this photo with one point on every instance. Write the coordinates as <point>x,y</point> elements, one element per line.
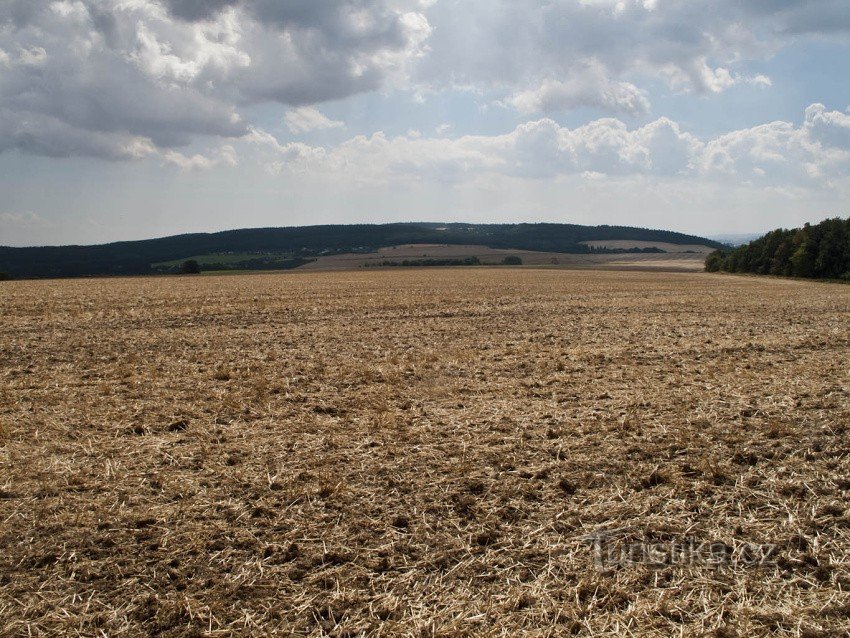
<point>129,119</point>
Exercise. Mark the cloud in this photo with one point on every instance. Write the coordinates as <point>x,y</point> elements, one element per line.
<point>557,55</point>
<point>86,77</point>
<point>829,128</point>
<point>308,118</point>
<point>193,10</point>
<point>295,156</point>
<point>780,154</point>
<point>588,87</point>
<point>224,156</point>
<point>41,134</point>
<point>775,155</point>
<point>24,220</point>
<point>309,52</point>
<point>125,79</point>
<point>538,149</point>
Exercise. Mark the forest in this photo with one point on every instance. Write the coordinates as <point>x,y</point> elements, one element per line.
<point>819,251</point>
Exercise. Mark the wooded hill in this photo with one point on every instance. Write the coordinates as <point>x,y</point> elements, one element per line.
<point>289,247</point>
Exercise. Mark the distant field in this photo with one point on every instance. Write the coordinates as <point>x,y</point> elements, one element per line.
<point>425,452</point>
<point>672,261</point>
<point>677,257</point>
<point>667,247</point>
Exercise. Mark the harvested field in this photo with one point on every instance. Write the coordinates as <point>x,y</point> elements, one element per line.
<point>424,452</point>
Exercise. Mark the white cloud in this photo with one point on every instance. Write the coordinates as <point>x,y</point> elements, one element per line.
<point>778,154</point>
<point>224,156</point>
<point>587,87</point>
<point>195,162</point>
<point>156,59</point>
<point>829,128</point>
<point>536,149</point>
<point>308,118</point>
<point>297,156</point>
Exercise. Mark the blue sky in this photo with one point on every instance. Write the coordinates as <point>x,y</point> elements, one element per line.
<point>123,119</point>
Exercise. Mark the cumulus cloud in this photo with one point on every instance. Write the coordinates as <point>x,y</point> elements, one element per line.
<point>540,53</point>
<point>310,52</point>
<point>224,156</point>
<point>536,149</point>
<point>587,87</point>
<point>93,77</point>
<point>308,118</point>
<point>126,79</point>
<point>817,153</point>
<point>778,154</point>
<point>829,128</point>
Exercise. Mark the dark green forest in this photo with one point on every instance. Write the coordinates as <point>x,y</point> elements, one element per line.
<point>289,247</point>
<point>820,251</point>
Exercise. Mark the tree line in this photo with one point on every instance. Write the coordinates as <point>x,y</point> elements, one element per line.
<point>820,251</point>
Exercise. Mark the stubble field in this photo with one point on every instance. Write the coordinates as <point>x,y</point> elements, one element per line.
<point>425,453</point>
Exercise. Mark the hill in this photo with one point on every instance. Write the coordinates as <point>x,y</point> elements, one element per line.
<point>291,247</point>
<point>821,251</point>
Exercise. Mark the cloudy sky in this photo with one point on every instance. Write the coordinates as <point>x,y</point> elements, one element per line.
<point>124,119</point>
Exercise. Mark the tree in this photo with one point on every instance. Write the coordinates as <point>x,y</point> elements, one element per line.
<point>781,262</point>
<point>190,267</point>
<point>714,261</point>
<point>803,259</point>
<point>512,260</point>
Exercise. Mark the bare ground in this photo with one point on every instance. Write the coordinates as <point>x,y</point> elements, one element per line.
<point>423,453</point>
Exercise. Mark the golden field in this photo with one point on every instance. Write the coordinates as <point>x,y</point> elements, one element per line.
<point>424,452</point>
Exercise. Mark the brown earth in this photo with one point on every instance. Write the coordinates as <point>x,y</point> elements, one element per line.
<point>424,452</point>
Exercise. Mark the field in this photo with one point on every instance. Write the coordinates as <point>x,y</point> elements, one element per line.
<point>676,260</point>
<point>667,247</point>
<point>425,452</point>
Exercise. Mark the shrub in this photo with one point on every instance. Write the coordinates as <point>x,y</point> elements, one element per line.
<point>4,276</point>
<point>512,260</point>
<point>190,267</point>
